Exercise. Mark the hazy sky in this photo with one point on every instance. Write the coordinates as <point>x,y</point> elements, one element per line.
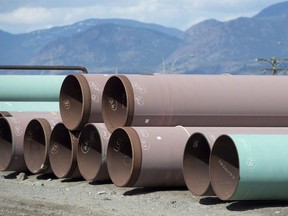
<point>18,16</point>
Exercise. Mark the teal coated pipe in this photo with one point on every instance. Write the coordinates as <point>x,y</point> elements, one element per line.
<point>29,106</point>
<point>250,167</point>
<point>30,87</point>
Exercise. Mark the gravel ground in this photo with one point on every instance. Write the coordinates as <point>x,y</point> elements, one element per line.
<point>45,195</point>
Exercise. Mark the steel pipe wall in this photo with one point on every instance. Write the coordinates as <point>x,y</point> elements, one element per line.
<point>30,87</point>
<point>195,100</point>
<point>29,106</point>
<point>198,150</point>
<point>250,167</point>
<point>36,143</point>
<point>92,152</point>
<point>147,156</point>
<point>63,152</point>
<point>81,97</point>
<point>12,129</point>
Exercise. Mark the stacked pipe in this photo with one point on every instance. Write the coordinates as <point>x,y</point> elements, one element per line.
<point>234,104</point>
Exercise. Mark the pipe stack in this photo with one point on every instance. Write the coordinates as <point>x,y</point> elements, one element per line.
<point>216,134</point>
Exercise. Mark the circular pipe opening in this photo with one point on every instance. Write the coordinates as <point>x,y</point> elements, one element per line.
<point>124,157</point>
<point>36,140</point>
<point>60,151</point>
<point>6,144</point>
<point>75,102</point>
<point>196,165</point>
<point>224,167</point>
<point>117,102</point>
<point>89,152</point>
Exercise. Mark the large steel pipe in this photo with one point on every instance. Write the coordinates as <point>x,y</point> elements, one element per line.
<point>81,100</point>
<point>147,156</point>
<point>92,152</point>
<point>63,152</point>
<point>12,129</point>
<point>198,150</point>
<point>36,143</point>
<point>29,106</point>
<point>250,167</point>
<point>30,87</point>
<point>195,100</point>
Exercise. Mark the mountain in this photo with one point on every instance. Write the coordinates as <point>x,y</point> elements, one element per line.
<point>128,46</point>
<point>38,47</point>
<point>110,48</point>
<point>233,46</point>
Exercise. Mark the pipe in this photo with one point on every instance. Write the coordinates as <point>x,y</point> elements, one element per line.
<point>147,156</point>
<point>195,100</point>
<point>29,106</point>
<point>12,129</point>
<point>62,152</point>
<point>250,167</point>
<point>197,153</point>
<point>92,152</point>
<point>36,143</point>
<point>37,87</point>
<point>81,97</point>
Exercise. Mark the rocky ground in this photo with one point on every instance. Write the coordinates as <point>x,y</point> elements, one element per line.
<point>45,195</point>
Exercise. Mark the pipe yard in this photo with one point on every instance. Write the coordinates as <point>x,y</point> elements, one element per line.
<point>157,144</point>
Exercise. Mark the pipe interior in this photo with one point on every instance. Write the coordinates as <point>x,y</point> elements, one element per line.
<point>89,152</point>
<point>224,167</point>
<point>34,146</point>
<point>196,164</point>
<point>6,144</point>
<point>60,151</point>
<point>119,157</point>
<point>71,102</point>
<point>114,103</point>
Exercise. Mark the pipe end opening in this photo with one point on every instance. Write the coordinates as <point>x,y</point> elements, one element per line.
<point>196,165</point>
<point>224,167</point>
<point>6,144</point>
<point>75,101</point>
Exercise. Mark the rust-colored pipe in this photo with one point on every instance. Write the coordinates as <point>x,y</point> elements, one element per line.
<point>36,142</point>
<point>81,99</point>
<point>147,156</point>
<point>63,152</point>
<point>92,152</point>
<point>12,129</point>
<point>195,100</point>
<point>197,153</point>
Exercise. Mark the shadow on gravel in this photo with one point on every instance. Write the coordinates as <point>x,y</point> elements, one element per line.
<point>146,190</point>
<point>73,180</point>
<point>211,201</point>
<point>100,182</point>
<point>252,205</point>
<point>12,175</point>
<point>46,176</point>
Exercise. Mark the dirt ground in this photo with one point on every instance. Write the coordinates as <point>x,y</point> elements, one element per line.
<point>45,195</point>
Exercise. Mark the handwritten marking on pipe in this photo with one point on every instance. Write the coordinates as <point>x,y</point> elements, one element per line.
<point>143,133</point>
<point>113,104</point>
<point>147,121</point>
<point>251,163</point>
<point>139,100</point>
<point>145,144</point>
<point>118,145</point>
<point>96,86</point>
<point>195,144</point>
<point>55,148</point>
<point>140,88</point>
<point>85,146</point>
<point>18,130</point>
<point>105,134</point>
<point>229,173</point>
<point>66,104</point>
<point>29,135</point>
<point>95,98</point>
